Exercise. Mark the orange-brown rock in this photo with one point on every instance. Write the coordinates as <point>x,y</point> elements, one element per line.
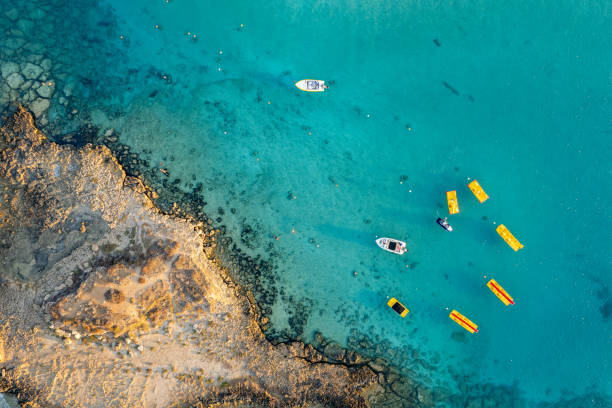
<point>129,311</point>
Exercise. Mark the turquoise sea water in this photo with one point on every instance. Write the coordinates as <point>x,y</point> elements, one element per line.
<point>433,94</point>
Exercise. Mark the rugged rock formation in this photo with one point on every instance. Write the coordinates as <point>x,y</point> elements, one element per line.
<point>108,303</point>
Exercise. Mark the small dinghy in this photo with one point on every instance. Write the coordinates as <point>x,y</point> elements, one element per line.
<point>444,224</point>
<point>392,245</point>
<point>311,85</point>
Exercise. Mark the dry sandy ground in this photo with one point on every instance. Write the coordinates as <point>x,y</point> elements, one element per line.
<point>108,303</point>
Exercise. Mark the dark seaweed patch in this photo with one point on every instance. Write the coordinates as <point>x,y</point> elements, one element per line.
<point>450,88</point>
<point>249,236</point>
<point>606,310</point>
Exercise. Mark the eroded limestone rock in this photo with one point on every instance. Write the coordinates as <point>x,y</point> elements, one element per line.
<point>129,311</point>
<point>14,80</point>
<point>39,106</point>
<point>9,68</point>
<point>31,71</point>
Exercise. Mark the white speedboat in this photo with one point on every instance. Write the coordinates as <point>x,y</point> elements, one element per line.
<point>311,85</point>
<point>392,245</point>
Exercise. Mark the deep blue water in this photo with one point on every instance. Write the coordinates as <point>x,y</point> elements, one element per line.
<point>514,94</point>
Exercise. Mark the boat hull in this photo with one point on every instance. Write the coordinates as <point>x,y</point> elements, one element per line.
<point>303,85</point>
<point>384,243</point>
<point>444,224</point>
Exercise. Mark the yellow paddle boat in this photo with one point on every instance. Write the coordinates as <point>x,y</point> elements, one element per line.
<point>463,321</point>
<point>451,198</point>
<point>508,237</point>
<point>398,307</point>
<point>478,191</point>
<point>500,292</point>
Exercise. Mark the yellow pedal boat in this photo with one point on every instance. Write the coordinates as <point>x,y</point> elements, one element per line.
<point>463,321</point>
<point>451,198</point>
<point>478,191</point>
<point>508,237</point>
<point>398,307</point>
<point>500,292</point>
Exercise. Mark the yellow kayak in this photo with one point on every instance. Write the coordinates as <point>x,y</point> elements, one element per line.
<point>508,237</point>
<point>478,191</point>
<point>453,206</point>
<point>500,292</point>
<point>463,321</point>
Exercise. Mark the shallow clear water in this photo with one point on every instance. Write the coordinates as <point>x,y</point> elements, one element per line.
<point>514,94</point>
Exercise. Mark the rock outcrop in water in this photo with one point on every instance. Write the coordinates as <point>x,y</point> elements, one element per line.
<point>108,303</point>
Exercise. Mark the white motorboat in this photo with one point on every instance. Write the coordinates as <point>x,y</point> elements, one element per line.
<point>392,245</point>
<point>311,85</point>
<point>443,222</point>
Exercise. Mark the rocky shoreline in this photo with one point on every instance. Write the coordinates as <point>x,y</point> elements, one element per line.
<point>108,302</point>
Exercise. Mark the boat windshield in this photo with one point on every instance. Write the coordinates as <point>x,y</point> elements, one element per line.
<point>312,84</point>
<point>392,245</point>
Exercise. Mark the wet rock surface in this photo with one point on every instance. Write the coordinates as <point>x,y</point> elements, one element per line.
<point>107,302</point>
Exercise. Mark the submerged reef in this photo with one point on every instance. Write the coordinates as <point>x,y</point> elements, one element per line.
<point>40,68</point>
<point>108,302</point>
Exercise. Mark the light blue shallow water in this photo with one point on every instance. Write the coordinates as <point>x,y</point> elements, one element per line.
<point>525,110</point>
